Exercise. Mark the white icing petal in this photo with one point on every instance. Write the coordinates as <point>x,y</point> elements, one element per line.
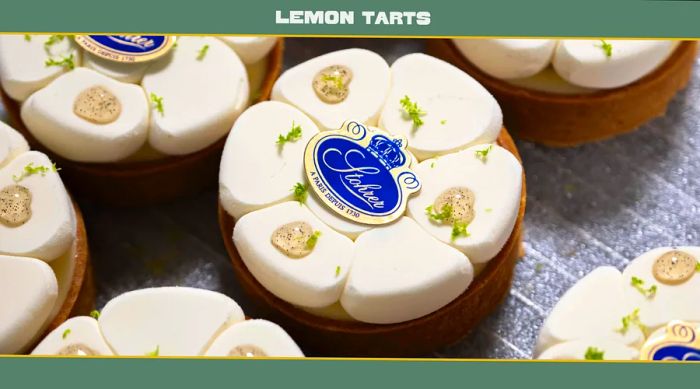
<point>78,332</point>
<point>585,63</point>
<point>202,95</point>
<point>51,229</point>
<point>50,117</point>
<point>576,350</point>
<point>459,112</point>
<point>265,336</point>
<point>591,309</point>
<point>367,89</point>
<point>28,292</point>
<point>401,273</point>
<point>508,58</point>
<point>12,144</point>
<point>120,71</point>
<point>23,68</point>
<point>255,170</point>
<point>670,302</point>
<point>315,280</point>
<point>495,181</point>
<point>176,321</point>
<point>250,49</point>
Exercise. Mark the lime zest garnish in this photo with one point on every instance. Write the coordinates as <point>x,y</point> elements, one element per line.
<point>301,192</point>
<point>66,62</point>
<point>30,170</point>
<point>459,230</point>
<point>293,135</point>
<point>606,47</point>
<point>157,103</point>
<point>594,354</point>
<point>412,110</point>
<point>483,153</point>
<point>65,333</point>
<point>95,314</point>
<point>337,271</point>
<point>444,214</point>
<point>632,319</point>
<point>202,52</point>
<point>154,353</point>
<point>337,80</point>
<point>313,239</point>
<point>638,284</point>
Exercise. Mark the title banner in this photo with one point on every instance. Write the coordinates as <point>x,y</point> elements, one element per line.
<point>421,18</point>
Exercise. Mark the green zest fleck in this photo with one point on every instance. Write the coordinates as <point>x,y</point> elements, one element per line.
<point>53,39</point>
<point>66,333</point>
<point>538,267</point>
<point>313,239</point>
<point>606,47</point>
<point>153,353</point>
<point>489,210</point>
<point>638,284</point>
<point>632,319</point>
<point>432,164</point>
<point>594,354</point>
<point>30,170</point>
<point>27,37</point>
<point>443,122</point>
<point>412,110</point>
<point>697,267</point>
<point>202,52</point>
<point>444,214</point>
<point>483,153</point>
<point>459,230</point>
<point>337,80</point>
<point>301,192</point>
<point>95,314</point>
<point>293,135</point>
<point>157,103</point>
<point>66,62</point>
<point>337,271</point>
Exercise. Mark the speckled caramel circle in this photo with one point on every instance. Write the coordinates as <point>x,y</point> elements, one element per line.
<point>674,267</point>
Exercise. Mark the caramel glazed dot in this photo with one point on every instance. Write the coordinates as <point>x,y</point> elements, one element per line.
<point>77,349</point>
<point>331,83</point>
<point>15,205</point>
<point>97,105</point>
<point>247,350</point>
<point>674,267</point>
<point>461,200</point>
<point>292,239</point>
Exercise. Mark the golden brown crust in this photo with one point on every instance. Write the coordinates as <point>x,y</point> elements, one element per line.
<point>566,120</point>
<point>446,326</point>
<point>146,182</point>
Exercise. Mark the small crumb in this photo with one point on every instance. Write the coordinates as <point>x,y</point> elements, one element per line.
<point>538,267</point>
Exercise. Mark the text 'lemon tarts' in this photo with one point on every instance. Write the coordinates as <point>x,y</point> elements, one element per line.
<point>567,92</point>
<point>44,274</point>
<point>134,119</point>
<point>377,209</point>
<point>169,321</point>
<point>649,311</point>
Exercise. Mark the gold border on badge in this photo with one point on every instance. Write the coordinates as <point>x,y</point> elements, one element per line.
<point>361,135</point>
<point>108,53</point>
<point>676,333</point>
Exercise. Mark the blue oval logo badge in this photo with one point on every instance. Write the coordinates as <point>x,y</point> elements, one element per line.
<point>362,174</point>
<point>679,342</point>
<point>126,48</point>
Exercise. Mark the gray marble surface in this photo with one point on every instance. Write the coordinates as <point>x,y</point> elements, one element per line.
<point>599,204</point>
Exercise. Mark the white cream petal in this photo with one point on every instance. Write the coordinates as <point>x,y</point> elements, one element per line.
<point>250,49</point>
<point>367,89</point>
<point>80,331</point>
<point>671,302</point>
<point>266,336</point>
<point>176,321</point>
<point>592,308</point>
<point>585,63</point>
<point>12,144</point>
<point>459,112</point>
<point>28,292</point>
<point>52,227</point>
<point>496,182</point>
<point>576,350</point>
<point>401,273</point>
<point>49,115</point>
<point>23,68</point>
<point>201,97</point>
<point>311,281</point>
<point>255,171</point>
<point>508,58</point>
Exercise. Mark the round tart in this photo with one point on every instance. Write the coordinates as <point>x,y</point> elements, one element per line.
<point>44,268</point>
<point>567,92</point>
<point>134,133</point>
<point>633,314</point>
<point>169,321</point>
<point>404,282</point>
